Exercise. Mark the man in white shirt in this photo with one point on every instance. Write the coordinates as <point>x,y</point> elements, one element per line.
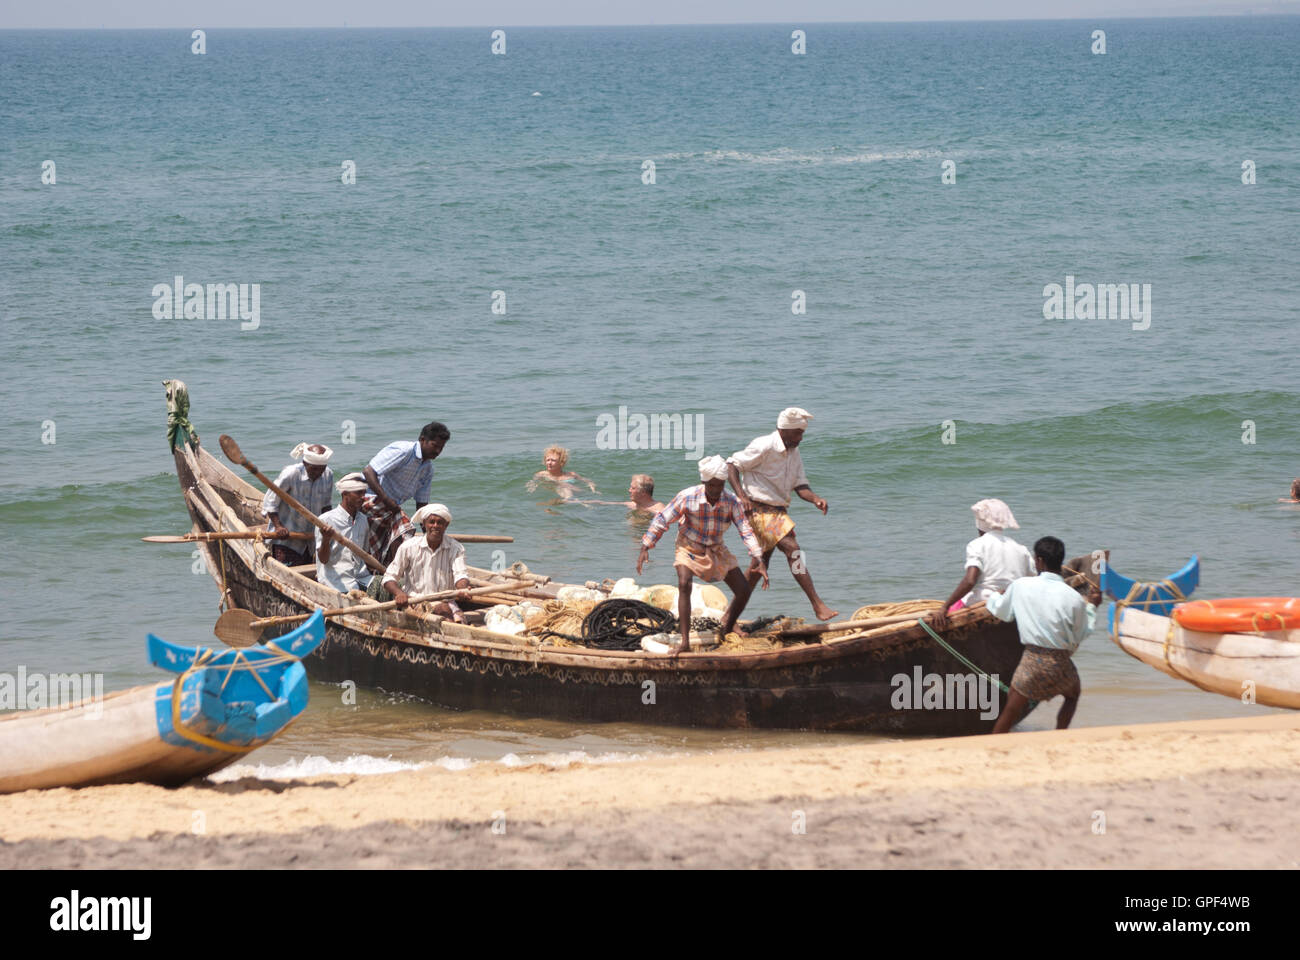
<point>993,560</point>
<point>763,475</point>
<point>1053,620</point>
<point>311,483</point>
<point>429,564</point>
<point>336,565</point>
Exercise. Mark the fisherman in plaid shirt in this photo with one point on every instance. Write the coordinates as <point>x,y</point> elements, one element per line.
<point>705,512</point>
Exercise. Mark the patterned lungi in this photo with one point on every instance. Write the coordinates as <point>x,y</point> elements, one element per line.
<point>387,530</point>
<point>770,524</point>
<point>1044,673</point>
<point>707,563</point>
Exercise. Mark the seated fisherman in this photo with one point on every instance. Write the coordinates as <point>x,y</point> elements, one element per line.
<point>705,511</point>
<point>311,483</point>
<point>401,471</point>
<point>336,565</point>
<point>1053,620</point>
<point>429,564</point>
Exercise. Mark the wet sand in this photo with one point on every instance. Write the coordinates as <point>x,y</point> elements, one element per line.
<point>1207,793</point>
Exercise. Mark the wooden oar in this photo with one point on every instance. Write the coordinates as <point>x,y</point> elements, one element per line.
<point>242,628</point>
<point>236,455</point>
<point>226,535</point>
<point>850,625</point>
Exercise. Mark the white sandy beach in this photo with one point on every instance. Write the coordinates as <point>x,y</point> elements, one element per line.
<point>1209,793</point>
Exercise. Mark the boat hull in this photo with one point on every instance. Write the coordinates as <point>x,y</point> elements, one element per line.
<point>853,684</point>
<point>1263,667</point>
<point>113,741</point>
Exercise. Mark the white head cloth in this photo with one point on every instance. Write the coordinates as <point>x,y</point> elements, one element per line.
<point>353,483</point>
<point>713,468</point>
<point>301,452</point>
<point>793,418</point>
<point>994,515</point>
<point>431,510</point>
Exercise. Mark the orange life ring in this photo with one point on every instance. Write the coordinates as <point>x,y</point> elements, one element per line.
<point>1239,614</point>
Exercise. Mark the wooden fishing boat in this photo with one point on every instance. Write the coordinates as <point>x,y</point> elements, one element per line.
<point>223,704</point>
<point>846,683</point>
<point>1261,666</point>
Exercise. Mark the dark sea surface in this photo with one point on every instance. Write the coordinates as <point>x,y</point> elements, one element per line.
<point>774,173</point>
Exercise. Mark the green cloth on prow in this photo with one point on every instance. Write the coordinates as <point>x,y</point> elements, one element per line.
<point>179,428</point>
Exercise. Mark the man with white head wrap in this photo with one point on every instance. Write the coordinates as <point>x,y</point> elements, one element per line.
<point>764,475</point>
<point>336,565</point>
<point>705,511</point>
<point>429,564</point>
<point>311,483</point>
<point>993,560</point>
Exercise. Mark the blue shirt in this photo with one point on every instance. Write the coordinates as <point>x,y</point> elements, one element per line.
<point>402,473</point>
<point>1047,610</point>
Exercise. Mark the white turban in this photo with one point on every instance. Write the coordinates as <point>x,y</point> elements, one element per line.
<point>353,483</point>
<point>994,515</point>
<point>793,418</point>
<point>713,468</point>
<point>301,452</point>
<point>431,510</point>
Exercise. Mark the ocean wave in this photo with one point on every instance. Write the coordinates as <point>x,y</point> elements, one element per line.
<point>786,155</point>
<point>364,765</point>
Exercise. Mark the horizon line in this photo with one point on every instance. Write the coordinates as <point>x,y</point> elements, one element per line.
<point>1243,14</point>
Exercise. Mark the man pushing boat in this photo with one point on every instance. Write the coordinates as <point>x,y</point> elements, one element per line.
<point>705,511</point>
<point>401,471</point>
<point>764,475</point>
<point>1053,620</point>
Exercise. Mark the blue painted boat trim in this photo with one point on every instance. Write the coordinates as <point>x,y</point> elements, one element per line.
<point>1118,586</point>
<point>231,706</point>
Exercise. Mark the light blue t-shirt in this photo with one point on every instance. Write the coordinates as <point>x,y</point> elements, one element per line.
<point>1047,610</point>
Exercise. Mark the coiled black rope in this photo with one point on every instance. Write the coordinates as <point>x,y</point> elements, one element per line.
<point>620,623</point>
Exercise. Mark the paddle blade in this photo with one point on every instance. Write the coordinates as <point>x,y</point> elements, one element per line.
<point>234,628</point>
<point>167,538</point>
<point>231,449</point>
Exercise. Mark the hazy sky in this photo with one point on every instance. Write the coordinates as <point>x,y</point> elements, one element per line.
<point>492,13</point>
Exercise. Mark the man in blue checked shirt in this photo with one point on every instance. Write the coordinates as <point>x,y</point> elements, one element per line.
<point>401,471</point>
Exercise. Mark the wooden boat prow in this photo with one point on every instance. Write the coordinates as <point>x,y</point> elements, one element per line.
<point>222,705</point>
<point>1258,667</point>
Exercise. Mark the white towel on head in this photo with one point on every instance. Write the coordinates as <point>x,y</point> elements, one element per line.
<point>713,468</point>
<point>352,483</point>
<point>793,418</point>
<point>431,510</point>
<point>993,514</point>
<point>301,452</point>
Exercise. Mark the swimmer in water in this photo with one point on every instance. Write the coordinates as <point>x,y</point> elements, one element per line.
<point>1295,493</point>
<point>641,489</point>
<point>555,459</point>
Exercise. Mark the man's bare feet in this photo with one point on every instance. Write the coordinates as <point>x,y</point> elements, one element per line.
<point>823,612</point>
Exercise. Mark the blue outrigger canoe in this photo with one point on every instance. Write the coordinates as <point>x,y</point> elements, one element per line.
<point>223,704</point>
